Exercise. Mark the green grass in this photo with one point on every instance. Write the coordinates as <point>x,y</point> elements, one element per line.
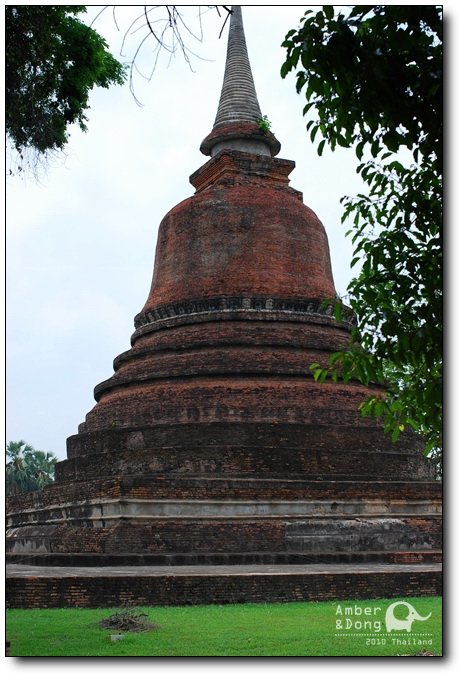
<point>286,629</point>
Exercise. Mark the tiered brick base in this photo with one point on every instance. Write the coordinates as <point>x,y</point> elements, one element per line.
<point>212,444</point>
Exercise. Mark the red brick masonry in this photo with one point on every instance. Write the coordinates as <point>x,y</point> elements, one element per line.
<point>206,585</point>
<point>212,443</point>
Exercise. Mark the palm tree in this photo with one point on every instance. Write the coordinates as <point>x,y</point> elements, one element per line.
<point>17,478</point>
<point>42,468</point>
<point>27,469</point>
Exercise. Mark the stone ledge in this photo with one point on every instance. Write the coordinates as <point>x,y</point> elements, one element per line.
<point>99,560</point>
<point>30,587</point>
<point>147,487</point>
<point>143,509</point>
<point>212,570</point>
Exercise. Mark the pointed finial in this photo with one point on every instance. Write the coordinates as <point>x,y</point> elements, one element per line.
<point>236,123</point>
<point>238,100</point>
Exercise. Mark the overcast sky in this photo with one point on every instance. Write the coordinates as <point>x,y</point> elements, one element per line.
<point>81,240</point>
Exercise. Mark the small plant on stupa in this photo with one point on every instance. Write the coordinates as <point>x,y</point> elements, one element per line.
<point>264,124</point>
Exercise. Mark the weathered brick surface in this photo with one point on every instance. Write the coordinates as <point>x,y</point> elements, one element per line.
<point>100,591</point>
<point>237,334</point>
<point>215,402</point>
<point>188,487</point>
<point>232,400</point>
<point>228,361</point>
<point>182,443</point>
<point>195,536</point>
<point>252,236</point>
<point>99,560</point>
<point>209,463</point>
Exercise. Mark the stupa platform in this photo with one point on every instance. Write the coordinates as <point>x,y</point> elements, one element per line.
<point>29,586</point>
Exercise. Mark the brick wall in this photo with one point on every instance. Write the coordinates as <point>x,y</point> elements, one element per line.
<point>180,486</point>
<point>106,591</point>
<point>194,536</point>
<point>182,441</point>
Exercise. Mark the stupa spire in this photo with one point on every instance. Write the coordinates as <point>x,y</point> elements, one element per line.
<point>238,100</point>
<point>236,122</point>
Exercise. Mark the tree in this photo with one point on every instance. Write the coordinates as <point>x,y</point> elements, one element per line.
<point>53,60</point>
<point>372,75</point>
<point>27,469</point>
<point>163,29</point>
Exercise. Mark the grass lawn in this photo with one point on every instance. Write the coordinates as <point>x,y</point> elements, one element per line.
<point>280,629</point>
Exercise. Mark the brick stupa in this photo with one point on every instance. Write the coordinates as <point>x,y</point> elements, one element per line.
<point>212,448</point>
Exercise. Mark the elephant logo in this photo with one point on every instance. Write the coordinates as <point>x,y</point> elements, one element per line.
<point>395,624</point>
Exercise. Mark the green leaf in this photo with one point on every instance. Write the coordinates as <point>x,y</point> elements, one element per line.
<point>338,310</point>
<point>375,147</point>
<point>335,358</point>
<point>359,150</point>
<point>314,133</point>
<point>285,68</point>
<point>290,33</point>
<point>317,373</point>
<point>323,375</point>
<point>395,434</point>
<point>355,260</point>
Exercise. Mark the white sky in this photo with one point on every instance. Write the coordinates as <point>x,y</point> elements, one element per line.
<point>81,241</point>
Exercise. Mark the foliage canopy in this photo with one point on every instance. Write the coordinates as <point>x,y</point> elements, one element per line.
<point>27,469</point>
<point>373,77</point>
<point>53,60</point>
